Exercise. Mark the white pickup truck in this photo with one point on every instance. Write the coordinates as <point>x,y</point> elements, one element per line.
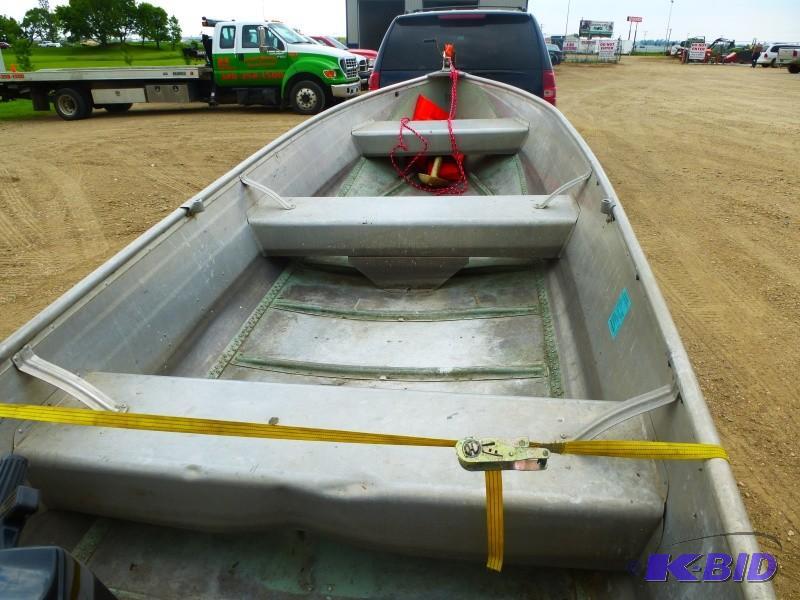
<point>789,56</point>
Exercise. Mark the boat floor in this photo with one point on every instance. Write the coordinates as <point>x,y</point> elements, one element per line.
<point>139,561</point>
<point>484,331</point>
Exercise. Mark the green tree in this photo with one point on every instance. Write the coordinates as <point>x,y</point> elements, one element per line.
<point>175,33</point>
<point>152,23</point>
<point>9,28</point>
<point>98,19</point>
<point>21,47</point>
<point>39,23</point>
<point>127,17</point>
<point>72,18</point>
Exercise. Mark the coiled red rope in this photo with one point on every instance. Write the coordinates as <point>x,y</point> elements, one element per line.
<point>457,188</point>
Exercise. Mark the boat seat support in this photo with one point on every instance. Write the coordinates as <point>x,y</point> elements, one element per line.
<point>561,189</point>
<point>268,192</point>
<point>28,362</point>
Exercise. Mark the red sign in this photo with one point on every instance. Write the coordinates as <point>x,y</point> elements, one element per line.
<point>635,19</point>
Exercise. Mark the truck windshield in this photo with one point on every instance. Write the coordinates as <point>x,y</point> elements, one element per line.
<point>288,34</point>
<point>483,42</point>
<point>336,43</point>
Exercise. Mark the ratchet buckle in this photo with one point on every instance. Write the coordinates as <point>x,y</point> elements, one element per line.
<point>490,454</point>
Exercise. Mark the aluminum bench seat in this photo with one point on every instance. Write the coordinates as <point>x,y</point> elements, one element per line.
<point>474,136</point>
<point>415,226</point>
<point>580,512</point>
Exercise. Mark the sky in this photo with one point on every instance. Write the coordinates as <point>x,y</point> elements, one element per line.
<point>770,20</point>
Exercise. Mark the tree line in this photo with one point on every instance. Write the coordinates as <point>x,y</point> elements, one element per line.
<point>101,20</point>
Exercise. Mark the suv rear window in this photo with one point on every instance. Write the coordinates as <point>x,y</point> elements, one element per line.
<point>483,42</point>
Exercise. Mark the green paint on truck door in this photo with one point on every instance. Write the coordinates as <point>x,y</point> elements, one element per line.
<point>246,65</point>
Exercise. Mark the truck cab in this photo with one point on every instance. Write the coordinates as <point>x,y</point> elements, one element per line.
<point>270,63</point>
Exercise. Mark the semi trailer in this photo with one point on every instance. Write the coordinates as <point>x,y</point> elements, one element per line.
<point>248,63</point>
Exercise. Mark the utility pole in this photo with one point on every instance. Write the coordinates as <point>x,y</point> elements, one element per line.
<point>669,19</point>
<point>566,23</point>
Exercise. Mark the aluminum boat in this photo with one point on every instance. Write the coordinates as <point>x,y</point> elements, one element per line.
<point>311,286</point>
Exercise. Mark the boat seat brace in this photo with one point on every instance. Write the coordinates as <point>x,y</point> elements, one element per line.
<point>29,363</point>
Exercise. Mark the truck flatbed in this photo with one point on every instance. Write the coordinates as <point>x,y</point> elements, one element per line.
<point>110,74</point>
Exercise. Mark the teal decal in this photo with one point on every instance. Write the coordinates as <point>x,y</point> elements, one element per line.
<point>619,313</point>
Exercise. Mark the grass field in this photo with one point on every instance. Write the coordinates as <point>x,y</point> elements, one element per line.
<point>113,55</point>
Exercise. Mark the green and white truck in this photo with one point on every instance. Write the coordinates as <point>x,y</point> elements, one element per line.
<point>261,63</point>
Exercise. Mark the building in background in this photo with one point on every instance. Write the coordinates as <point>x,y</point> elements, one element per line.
<point>368,20</point>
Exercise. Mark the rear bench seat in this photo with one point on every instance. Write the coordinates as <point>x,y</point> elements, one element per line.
<point>581,512</point>
<point>440,226</point>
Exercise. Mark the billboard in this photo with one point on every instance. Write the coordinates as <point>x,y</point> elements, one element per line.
<point>596,28</point>
<point>635,19</point>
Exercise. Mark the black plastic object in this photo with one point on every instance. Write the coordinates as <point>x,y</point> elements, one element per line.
<point>47,573</point>
<point>17,502</point>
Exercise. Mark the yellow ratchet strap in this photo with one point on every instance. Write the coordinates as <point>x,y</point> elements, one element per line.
<point>493,473</point>
<point>494,520</point>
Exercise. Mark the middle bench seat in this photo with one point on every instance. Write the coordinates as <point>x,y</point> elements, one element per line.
<point>439,226</point>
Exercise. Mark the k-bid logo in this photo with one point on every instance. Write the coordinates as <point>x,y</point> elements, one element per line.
<point>717,566</point>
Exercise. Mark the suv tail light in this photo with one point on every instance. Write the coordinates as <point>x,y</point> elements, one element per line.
<point>549,81</point>
<point>374,80</point>
<point>766,54</point>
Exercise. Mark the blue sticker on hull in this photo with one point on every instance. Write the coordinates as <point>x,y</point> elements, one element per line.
<point>619,313</point>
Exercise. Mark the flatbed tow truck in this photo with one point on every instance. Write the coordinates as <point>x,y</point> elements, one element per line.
<point>248,63</point>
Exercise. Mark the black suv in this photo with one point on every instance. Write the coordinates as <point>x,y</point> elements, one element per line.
<point>506,46</point>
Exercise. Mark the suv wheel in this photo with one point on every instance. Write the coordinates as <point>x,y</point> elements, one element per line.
<point>307,97</point>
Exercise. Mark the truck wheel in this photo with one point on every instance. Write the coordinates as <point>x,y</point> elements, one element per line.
<point>117,108</point>
<point>307,97</point>
<point>71,104</point>
<point>793,68</point>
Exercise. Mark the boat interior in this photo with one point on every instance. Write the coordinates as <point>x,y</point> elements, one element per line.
<point>312,286</point>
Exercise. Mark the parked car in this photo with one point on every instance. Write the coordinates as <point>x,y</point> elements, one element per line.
<point>556,55</point>
<point>328,40</point>
<point>49,44</point>
<point>4,45</point>
<point>366,58</point>
<point>790,57</point>
<point>502,45</point>
<point>769,56</point>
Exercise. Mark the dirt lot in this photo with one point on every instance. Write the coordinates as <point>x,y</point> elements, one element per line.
<point>704,158</point>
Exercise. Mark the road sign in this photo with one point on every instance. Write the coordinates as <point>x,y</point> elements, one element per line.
<point>697,51</point>
<point>635,19</point>
<point>607,48</point>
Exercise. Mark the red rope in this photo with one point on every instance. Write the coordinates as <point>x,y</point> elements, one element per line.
<point>458,187</point>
